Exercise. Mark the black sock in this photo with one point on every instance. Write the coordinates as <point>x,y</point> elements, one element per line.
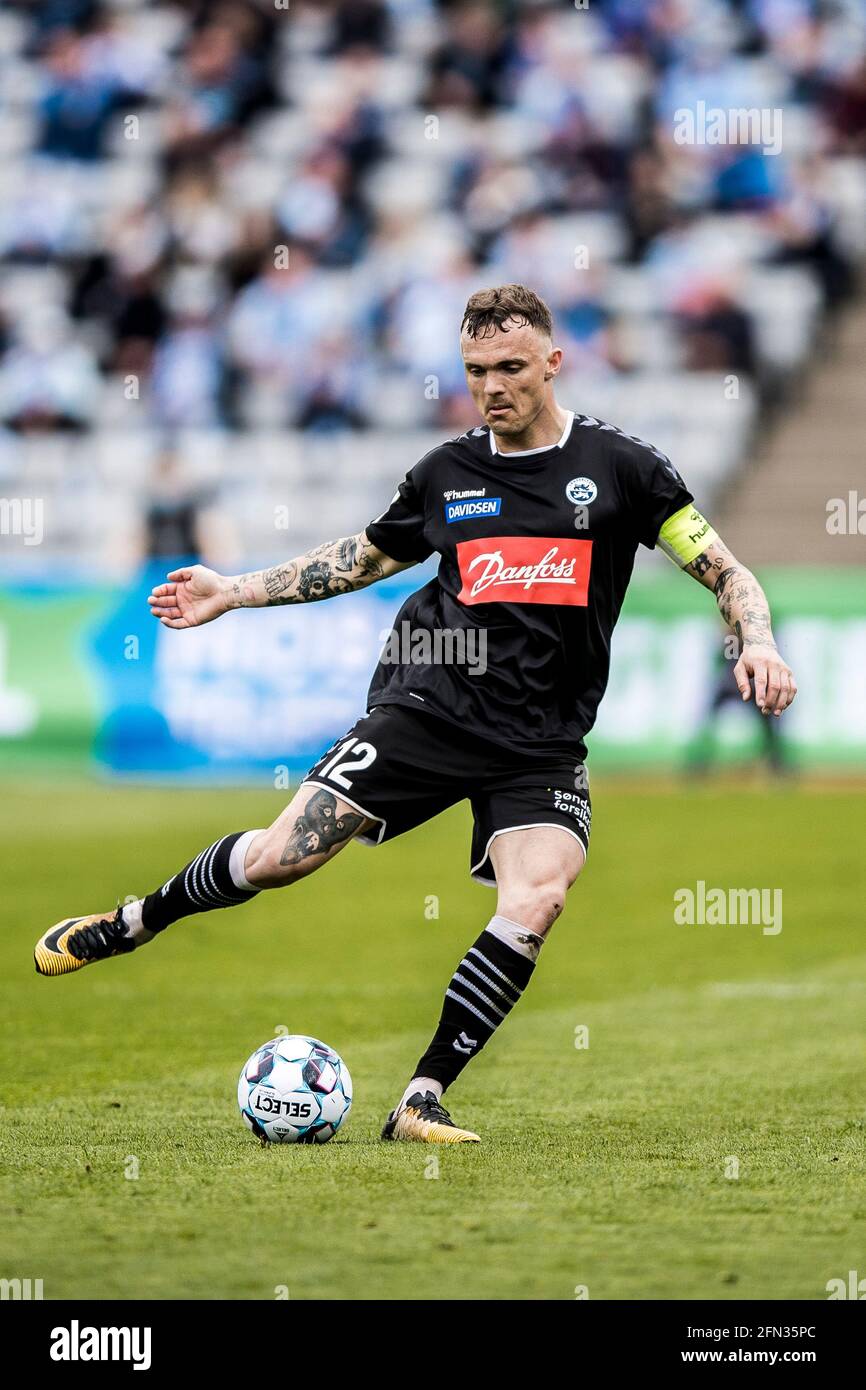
<point>483,990</point>
<point>204,884</point>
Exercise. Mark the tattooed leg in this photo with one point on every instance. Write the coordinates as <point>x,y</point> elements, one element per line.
<point>319,829</point>
<point>314,827</point>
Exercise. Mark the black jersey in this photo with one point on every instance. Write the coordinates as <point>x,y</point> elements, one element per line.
<point>537,550</point>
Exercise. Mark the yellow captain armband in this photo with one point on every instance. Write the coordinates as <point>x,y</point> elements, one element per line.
<point>684,535</point>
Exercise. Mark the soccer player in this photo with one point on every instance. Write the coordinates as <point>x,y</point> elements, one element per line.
<point>536,516</point>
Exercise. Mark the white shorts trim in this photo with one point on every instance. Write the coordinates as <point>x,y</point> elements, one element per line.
<point>360,839</point>
<point>506,830</point>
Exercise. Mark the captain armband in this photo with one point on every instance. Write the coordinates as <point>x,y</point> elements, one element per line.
<point>684,535</point>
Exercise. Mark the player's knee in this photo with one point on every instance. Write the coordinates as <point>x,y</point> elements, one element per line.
<point>536,905</point>
<point>549,902</point>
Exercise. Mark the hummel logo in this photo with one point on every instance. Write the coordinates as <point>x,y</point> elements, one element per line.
<point>165,887</point>
<point>453,495</point>
<point>470,1043</point>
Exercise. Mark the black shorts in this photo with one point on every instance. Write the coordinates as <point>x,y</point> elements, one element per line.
<point>401,767</point>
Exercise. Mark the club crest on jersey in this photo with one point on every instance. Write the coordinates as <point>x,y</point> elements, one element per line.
<point>469,511</point>
<point>581,491</point>
<point>525,569</point>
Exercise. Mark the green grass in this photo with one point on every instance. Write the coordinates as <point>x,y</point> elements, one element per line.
<point>602,1166</point>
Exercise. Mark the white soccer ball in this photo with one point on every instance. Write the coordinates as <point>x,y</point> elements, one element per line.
<point>295,1090</point>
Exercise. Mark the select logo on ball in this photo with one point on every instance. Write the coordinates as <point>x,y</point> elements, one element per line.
<point>271,1104</point>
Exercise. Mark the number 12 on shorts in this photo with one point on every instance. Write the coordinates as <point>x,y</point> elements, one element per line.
<point>361,755</point>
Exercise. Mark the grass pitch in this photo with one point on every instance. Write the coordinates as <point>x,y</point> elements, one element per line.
<point>707,1143</point>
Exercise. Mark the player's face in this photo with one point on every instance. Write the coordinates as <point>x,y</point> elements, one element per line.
<point>508,374</point>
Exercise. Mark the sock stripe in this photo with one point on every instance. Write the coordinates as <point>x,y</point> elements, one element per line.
<point>473,951</point>
<point>204,873</point>
<point>489,983</point>
<point>467,984</point>
<point>449,994</point>
<point>188,888</point>
<point>207,868</point>
<point>195,886</point>
<point>200,884</point>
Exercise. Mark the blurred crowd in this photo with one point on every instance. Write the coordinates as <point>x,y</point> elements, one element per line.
<point>252,214</point>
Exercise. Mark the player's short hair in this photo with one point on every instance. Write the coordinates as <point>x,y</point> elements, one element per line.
<point>490,309</point>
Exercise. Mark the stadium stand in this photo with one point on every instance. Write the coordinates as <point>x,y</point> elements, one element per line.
<point>800,475</point>
<point>248,230</point>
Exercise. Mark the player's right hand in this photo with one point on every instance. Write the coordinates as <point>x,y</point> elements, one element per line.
<point>189,598</point>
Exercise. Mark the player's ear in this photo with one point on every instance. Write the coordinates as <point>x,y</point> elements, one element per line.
<point>554,362</point>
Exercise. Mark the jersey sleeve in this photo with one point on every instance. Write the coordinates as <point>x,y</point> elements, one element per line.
<point>399,531</point>
<point>655,490</point>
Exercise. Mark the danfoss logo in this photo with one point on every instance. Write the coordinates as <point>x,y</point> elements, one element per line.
<point>524,569</point>
<point>548,570</point>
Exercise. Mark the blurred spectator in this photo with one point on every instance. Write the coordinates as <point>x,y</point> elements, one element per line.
<point>724,695</point>
<point>846,109</point>
<point>648,208</point>
<point>77,100</point>
<point>278,330</point>
<point>47,379</point>
<point>321,209</point>
<point>466,68</point>
<point>716,331</point>
<point>360,24</point>
<point>219,84</point>
<point>181,520</point>
<point>187,372</point>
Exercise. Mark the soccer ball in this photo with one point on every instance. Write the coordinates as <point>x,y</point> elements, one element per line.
<point>295,1090</point>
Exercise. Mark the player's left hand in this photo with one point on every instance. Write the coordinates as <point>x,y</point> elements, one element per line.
<point>775,686</point>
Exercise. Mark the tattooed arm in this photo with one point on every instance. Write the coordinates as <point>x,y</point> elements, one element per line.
<point>743,605</point>
<point>337,567</point>
<point>197,595</point>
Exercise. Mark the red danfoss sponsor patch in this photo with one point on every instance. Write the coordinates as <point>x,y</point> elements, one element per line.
<point>524,569</point>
